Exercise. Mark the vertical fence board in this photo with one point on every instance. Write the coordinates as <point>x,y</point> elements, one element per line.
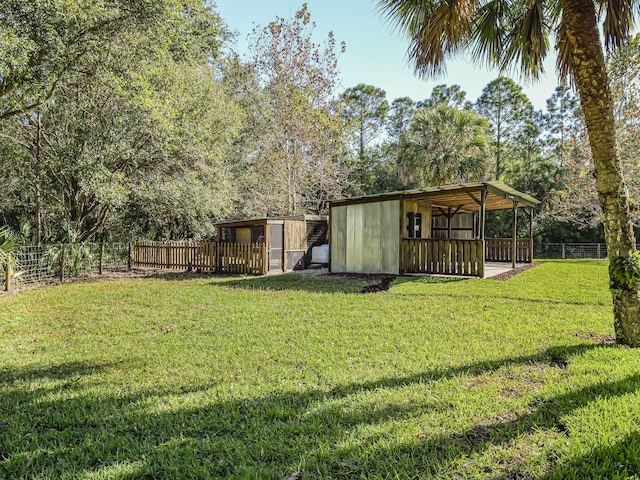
<point>441,256</point>
<point>209,257</point>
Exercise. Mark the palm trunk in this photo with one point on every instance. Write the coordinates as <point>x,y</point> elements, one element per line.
<point>590,76</point>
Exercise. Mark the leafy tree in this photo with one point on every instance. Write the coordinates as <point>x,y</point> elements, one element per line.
<point>145,125</point>
<point>399,118</point>
<point>507,109</point>
<point>294,162</point>
<point>576,203</point>
<point>445,145</point>
<point>518,34</point>
<point>530,169</point>
<point>42,42</point>
<point>561,121</point>
<point>365,109</point>
<point>388,173</point>
<point>450,95</point>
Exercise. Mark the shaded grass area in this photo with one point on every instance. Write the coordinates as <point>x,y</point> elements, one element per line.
<point>303,378</point>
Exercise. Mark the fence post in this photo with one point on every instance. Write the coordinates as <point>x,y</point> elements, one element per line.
<point>129,256</point>
<point>598,251</point>
<point>101,261</point>
<point>7,276</point>
<point>63,251</point>
<point>563,257</point>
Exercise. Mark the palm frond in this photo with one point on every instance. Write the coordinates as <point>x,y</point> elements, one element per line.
<point>565,48</point>
<point>553,12</point>
<point>488,36</point>
<point>618,21</point>
<point>404,15</point>
<point>436,29</point>
<point>8,244</point>
<point>528,41</point>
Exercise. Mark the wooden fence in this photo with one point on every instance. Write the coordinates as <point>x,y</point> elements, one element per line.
<point>202,256</point>
<point>447,257</point>
<point>500,250</point>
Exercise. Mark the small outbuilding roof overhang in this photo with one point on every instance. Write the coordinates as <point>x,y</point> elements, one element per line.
<point>248,222</point>
<point>464,197</point>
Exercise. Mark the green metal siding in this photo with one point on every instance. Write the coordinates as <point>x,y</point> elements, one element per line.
<point>365,238</point>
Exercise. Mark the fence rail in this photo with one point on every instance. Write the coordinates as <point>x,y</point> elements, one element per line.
<point>447,257</point>
<point>501,250</point>
<point>202,256</point>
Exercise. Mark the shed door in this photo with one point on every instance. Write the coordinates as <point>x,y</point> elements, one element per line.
<point>276,250</point>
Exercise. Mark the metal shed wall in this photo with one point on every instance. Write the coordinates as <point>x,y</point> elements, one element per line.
<point>365,238</point>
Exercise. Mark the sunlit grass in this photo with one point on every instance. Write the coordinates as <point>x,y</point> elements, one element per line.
<point>204,377</point>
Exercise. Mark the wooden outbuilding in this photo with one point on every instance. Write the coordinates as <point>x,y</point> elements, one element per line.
<point>428,230</point>
<point>288,239</point>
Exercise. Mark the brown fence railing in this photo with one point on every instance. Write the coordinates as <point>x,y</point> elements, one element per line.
<point>501,250</point>
<point>447,257</point>
<point>202,256</point>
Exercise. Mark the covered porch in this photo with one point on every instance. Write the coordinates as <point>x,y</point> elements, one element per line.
<point>433,230</point>
<point>454,243</point>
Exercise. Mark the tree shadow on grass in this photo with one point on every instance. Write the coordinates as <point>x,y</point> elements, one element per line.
<point>63,428</point>
<point>618,461</point>
<point>59,371</point>
<point>297,282</point>
<point>330,283</point>
<point>288,281</point>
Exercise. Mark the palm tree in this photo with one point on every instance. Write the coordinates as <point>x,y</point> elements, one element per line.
<point>506,33</point>
<point>445,145</point>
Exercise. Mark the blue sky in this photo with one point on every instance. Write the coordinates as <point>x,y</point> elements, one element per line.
<point>375,54</point>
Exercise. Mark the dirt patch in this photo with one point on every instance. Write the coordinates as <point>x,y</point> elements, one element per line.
<point>597,337</point>
<point>378,282</point>
<point>106,276</point>
<point>515,271</point>
<point>380,286</point>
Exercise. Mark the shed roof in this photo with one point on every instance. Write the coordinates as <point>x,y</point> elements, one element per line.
<point>248,222</point>
<point>464,197</point>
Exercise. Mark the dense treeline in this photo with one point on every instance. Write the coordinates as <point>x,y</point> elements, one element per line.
<point>133,119</point>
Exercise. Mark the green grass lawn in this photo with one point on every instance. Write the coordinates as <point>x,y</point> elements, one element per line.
<point>291,377</point>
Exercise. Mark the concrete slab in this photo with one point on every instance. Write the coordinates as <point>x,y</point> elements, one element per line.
<point>491,269</point>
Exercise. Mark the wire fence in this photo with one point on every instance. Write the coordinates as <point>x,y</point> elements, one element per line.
<point>55,262</point>
<point>570,250</point>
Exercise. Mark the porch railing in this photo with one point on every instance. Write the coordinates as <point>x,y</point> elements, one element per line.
<point>443,256</point>
<point>501,250</point>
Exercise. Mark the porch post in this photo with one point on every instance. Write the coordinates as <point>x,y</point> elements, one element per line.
<point>449,223</point>
<point>217,260</point>
<point>530,234</point>
<point>514,236</point>
<point>483,216</point>
<point>401,242</point>
<point>267,246</point>
<point>481,221</point>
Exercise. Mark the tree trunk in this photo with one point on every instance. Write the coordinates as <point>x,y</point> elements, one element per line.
<point>592,82</point>
<point>38,173</point>
<point>498,140</point>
